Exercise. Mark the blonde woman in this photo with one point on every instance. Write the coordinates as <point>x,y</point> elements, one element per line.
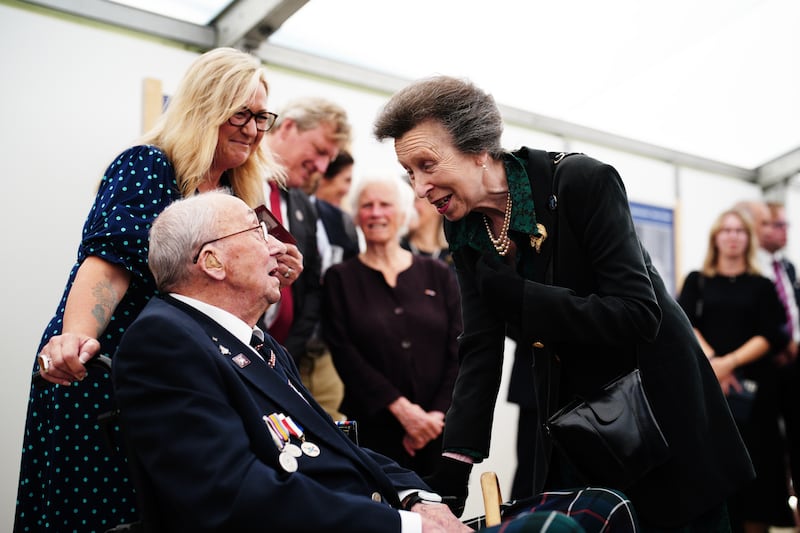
<point>210,136</point>
<point>738,319</point>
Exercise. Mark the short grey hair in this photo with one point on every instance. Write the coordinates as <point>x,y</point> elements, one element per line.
<point>403,194</point>
<point>176,235</point>
<point>469,114</point>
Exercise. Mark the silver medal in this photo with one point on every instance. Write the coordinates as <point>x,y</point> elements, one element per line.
<point>287,462</point>
<point>310,449</point>
<point>292,449</point>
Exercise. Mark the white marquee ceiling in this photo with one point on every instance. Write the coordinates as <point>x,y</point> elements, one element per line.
<point>714,78</point>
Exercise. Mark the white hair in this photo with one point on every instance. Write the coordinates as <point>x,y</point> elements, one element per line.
<point>404,195</point>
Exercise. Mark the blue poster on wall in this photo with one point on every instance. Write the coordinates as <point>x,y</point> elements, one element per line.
<point>655,227</point>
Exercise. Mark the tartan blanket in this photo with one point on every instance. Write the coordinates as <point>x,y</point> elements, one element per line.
<point>590,510</point>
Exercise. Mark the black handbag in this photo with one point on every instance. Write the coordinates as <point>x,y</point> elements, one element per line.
<point>611,439</point>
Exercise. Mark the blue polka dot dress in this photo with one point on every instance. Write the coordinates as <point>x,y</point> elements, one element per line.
<point>70,478</point>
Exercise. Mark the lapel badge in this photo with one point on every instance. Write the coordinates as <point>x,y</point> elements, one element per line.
<point>241,360</point>
<point>537,240</point>
<point>223,350</point>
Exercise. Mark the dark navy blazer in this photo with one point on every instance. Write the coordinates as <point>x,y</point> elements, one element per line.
<point>192,397</point>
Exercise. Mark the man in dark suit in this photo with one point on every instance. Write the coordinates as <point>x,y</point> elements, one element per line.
<point>220,432</point>
<point>307,136</point>
<point>782,271</point>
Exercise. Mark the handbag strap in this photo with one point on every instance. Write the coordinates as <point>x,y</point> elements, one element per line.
<point>543,166</point>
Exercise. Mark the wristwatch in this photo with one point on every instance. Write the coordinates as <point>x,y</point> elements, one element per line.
<point>421,496</point>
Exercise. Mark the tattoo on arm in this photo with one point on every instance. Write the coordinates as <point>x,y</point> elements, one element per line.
<point>106,301</point>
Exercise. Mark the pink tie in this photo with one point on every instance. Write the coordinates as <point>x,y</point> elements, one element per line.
<point>776,265</point>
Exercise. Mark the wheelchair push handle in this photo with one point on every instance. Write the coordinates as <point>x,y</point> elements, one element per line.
<point>99,362</point>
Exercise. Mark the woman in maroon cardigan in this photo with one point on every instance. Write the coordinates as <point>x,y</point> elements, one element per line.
<point>391,320</point>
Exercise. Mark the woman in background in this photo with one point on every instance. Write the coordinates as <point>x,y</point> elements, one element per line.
<point>209,136</point>
<point>738,319</point>
<point>334,184</point>
<point>426,233</point>
<point>391,320</point>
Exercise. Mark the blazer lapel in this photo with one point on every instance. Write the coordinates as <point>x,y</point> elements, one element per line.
<point>294,400</point>
<point>245,361</point>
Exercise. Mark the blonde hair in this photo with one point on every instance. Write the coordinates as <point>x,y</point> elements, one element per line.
<point>712,253</point>
<point>219,83</point>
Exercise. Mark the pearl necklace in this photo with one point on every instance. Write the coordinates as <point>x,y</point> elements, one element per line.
<point>502,243</point>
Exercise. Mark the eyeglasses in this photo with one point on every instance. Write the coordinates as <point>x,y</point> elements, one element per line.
<point>264,121</point>
<point>261,225</point>
<point>269,226</point>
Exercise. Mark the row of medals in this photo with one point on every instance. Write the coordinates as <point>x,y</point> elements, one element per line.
<point>289,452</point>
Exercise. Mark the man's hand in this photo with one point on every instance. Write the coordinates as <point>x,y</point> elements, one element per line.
<point>437,518</point>
<point>786,356</point>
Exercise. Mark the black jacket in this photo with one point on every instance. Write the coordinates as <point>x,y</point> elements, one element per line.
<point>606,307</point>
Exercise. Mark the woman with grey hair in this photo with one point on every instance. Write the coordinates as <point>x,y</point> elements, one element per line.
<point>545,249</point>
<point>209,136</point>
<point>391,320</point>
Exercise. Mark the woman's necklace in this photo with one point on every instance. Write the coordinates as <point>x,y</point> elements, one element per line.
<point>502,243</point>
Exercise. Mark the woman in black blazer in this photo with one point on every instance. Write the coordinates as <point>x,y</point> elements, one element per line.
<point>560,263</point>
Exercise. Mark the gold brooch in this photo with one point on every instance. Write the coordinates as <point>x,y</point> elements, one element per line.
<point>537,240</point>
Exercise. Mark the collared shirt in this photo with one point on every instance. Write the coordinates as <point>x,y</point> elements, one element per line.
<point>765,263</point>
<point>238,327</point>
<point>471,230</point>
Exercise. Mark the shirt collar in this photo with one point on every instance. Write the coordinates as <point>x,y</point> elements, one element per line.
<point>471,231</point>
<point>235,325</point>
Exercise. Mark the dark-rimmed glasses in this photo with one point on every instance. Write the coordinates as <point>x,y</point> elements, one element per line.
<point>261,225</point>
<point>264,121</point>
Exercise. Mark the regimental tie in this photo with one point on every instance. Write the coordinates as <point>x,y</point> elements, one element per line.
<point>257,342</point>
<point>782,294</point>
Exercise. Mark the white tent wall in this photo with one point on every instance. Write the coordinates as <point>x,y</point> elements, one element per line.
<point>72,100</point>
